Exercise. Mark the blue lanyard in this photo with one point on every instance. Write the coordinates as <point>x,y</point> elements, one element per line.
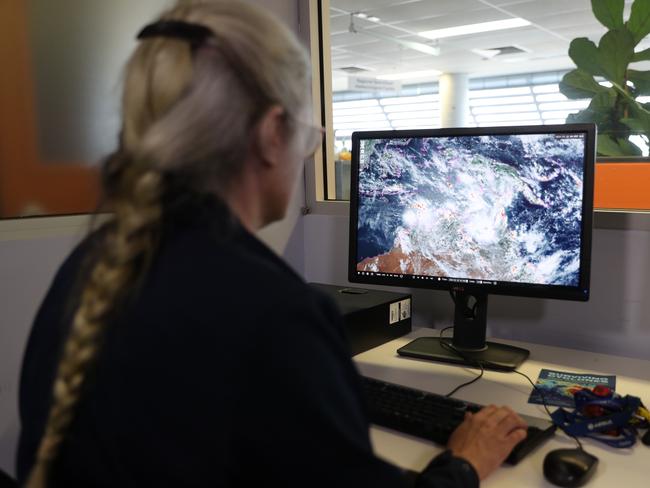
<point>577,424</point>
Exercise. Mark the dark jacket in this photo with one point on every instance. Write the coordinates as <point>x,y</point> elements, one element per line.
<point>225,369</point>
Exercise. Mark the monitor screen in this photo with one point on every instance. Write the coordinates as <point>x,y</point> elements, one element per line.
<point>504,210</point>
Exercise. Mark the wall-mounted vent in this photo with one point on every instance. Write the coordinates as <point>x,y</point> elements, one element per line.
<point>508,50</point>
<point>499,51</point>
<point>353,69</point>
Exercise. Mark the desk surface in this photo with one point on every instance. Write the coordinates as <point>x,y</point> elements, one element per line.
<point>617,467</point>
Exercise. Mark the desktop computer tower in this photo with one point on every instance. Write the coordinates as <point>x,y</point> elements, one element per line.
<point>371,317</point>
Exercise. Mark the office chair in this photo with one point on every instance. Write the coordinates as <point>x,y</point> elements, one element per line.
<point>7,481</point>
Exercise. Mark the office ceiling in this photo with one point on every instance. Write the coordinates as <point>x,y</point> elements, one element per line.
<point>545,43</point>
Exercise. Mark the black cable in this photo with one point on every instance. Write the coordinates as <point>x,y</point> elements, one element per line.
<point>480,364</point>
<point>450,347</point>
<point>541,394</point>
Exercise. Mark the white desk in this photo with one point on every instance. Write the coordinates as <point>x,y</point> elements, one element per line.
<point>617,467</point>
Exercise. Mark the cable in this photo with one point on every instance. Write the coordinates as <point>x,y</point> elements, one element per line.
<point>450,347</point>
<point>541,394</point>
<point>480,364</point>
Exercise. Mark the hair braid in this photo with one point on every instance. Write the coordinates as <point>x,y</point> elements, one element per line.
<point>127,245</point>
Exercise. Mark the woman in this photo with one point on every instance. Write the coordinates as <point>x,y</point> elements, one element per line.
<point>173,348</point>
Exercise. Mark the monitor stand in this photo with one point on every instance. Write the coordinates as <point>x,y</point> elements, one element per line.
<point>468,345</point>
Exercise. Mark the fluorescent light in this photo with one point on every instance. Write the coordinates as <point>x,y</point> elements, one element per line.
<point>408,75</point>
<point>361,15</point>
<point>462,30</point>
<point>356,103</point>
<point>374,19</point>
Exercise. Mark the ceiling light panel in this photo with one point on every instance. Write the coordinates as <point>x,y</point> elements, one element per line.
<point>463,30</point>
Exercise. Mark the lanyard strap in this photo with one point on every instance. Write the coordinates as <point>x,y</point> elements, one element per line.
<point>576,424</point>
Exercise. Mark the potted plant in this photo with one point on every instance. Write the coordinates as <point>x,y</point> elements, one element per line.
<point>615,109</point>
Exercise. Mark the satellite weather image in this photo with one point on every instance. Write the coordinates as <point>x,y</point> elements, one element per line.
<point>500,207</point>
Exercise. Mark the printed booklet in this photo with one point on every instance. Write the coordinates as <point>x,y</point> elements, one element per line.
<point>559,386</point>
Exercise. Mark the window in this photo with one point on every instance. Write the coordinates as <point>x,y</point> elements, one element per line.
<point>398,64</point>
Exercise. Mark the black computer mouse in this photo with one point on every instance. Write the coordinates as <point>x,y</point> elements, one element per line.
<point>569,467</point>
<point>646,438</point>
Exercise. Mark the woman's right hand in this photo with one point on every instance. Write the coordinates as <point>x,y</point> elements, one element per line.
<point>485,438</point>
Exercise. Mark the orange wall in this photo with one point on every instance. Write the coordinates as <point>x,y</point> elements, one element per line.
<point>25,180</point>
<point>624,186</point>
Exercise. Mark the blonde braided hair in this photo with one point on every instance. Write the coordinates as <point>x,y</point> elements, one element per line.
<point>186,116</point>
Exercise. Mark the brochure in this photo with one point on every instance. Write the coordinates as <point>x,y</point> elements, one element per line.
<point>559,386</point>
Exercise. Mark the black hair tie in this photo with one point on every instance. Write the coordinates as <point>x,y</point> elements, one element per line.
<point>195,34</point>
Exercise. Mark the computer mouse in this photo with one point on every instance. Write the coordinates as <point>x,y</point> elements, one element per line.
<point>646,438</point>
<point>569,467</point>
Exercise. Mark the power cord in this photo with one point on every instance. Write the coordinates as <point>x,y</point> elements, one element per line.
<point>480,364</point>
<point>451,348</point>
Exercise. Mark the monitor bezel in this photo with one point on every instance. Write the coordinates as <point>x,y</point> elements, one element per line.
<point>578,293</point>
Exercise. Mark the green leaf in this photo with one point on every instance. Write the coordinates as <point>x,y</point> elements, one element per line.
<point>578,84</point>
<point>641,56</point>
<point>639,23</point>
<point>603,101</point>
<point>609,12</point>
<point>629,148</point>
<point>635,124</point>
<point>642,115</point>
<point>616,49</point>
<point>608,146</point>
<point>585,55</point>
<point>641,80</point>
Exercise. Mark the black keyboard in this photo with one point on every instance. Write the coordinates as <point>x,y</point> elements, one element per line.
<point>435,417</point>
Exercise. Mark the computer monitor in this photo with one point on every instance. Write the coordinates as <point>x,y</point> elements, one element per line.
<point>476,211</point>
